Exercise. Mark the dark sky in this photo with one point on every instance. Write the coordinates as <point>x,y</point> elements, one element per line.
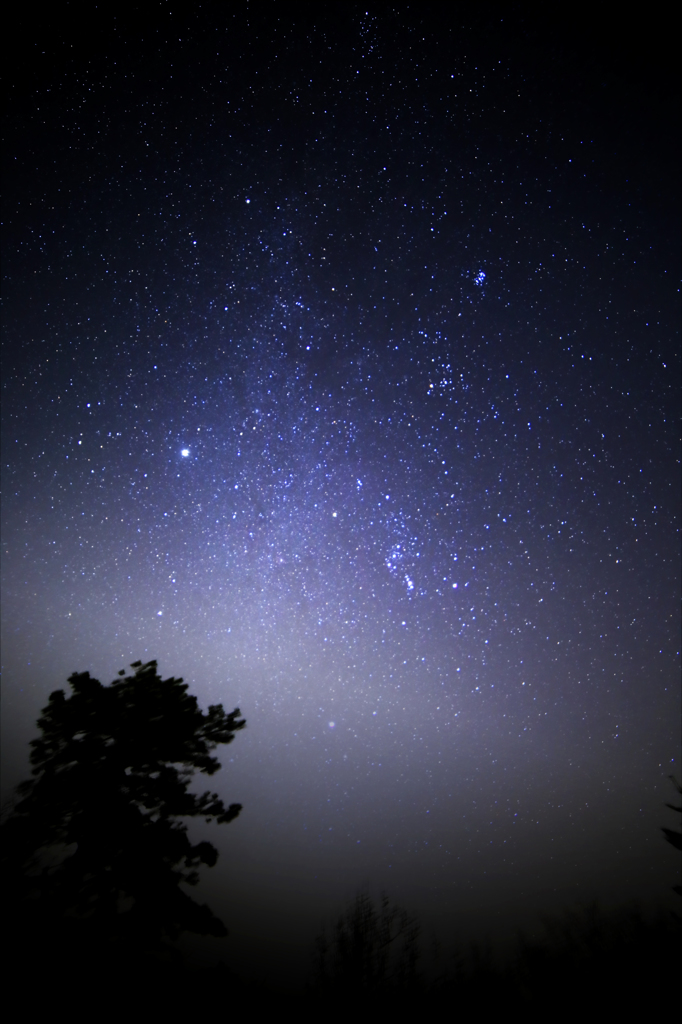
<point>341,376</point>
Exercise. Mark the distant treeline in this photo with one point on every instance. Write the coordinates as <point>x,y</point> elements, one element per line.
<point>587,960</point>
<point>373,962</point>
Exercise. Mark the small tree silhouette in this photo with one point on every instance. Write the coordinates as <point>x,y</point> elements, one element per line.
<point>371,950</point>
<point>94,847</point>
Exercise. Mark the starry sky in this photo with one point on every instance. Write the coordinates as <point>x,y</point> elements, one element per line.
<point>341,376</point>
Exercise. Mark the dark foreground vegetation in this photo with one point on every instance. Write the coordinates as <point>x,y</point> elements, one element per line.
<point>588,963</point>
<point>587,960</point>
<point>94,849</point>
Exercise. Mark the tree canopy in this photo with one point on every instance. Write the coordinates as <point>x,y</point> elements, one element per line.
<point>97,836</point>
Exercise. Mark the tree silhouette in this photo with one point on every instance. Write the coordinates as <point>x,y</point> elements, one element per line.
<point>372,951</point>
<point>95,846</point>
<point>673,837</point>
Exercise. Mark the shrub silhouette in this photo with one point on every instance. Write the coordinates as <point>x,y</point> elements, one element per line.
<point>94,848</point>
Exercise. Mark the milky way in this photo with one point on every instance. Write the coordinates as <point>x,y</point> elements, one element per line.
<point>341,377</point>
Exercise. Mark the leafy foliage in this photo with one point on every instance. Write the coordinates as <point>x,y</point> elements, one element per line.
<point>96,837</point>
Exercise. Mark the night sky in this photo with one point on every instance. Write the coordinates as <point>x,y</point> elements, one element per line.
<point>341,376</point>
